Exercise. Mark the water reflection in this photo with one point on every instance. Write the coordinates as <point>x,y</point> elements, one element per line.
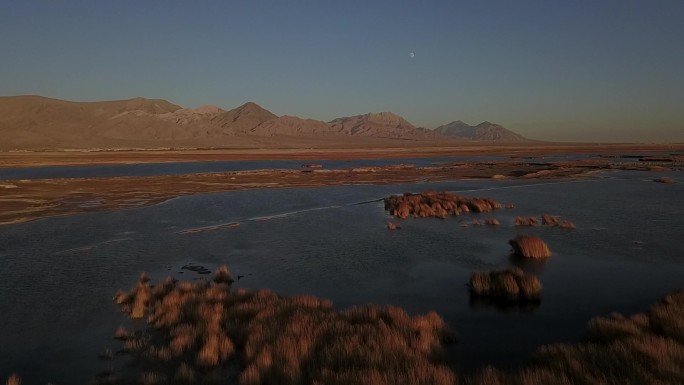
<point>529,265</point>
<point>480,303</point>
<point>345,253</point>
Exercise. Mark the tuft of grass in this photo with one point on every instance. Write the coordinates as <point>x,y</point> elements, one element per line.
<point>185,374</point>
<point>530,247</point>
<point>152,378</point>
<point>511,284</point>
<point>121,333</point>
<point>526,221</point>
<point>556,221</point>
<point>223,275</point>
<point>436,204</point>
<point>565,224</point>
<point>646,348</point>
<point>616,326</point>
<point>14,379</point>
<point>392,226</point>
<point>199,331</point>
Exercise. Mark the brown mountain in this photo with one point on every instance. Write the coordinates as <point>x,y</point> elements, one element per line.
<point>485,131</point>
<point>382,124</point>
<point>292,126</point>
<point>39,123</point>
<point>243,119</point>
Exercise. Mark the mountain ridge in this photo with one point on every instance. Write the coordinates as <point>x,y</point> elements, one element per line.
<point>485,131</point>
<point>33,122</point>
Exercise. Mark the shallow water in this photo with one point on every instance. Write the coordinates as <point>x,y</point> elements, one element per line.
<point>59,274</point>
<point>179,168</point>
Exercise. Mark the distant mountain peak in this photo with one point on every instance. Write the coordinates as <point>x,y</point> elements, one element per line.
<point>380,124</point>
<point>244,118</point>
<point>485,131</point>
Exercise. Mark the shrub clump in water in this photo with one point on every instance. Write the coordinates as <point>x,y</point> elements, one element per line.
<point>530,247</point>
<point>646,348</point>
<point>205,333</point>
<point>436,204</point>
<point>511,284</point>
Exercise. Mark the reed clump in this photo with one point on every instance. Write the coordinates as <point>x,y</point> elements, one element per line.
<point>223,275</point>
<point>510,284</point>
<point>646,348</point>
<point>14,379</point>
<point>197,331</point>
<point>436,204</point>
<point>547,220</point>
<point>530,247</point>
<point>121,333</point>
<point>392,226</point>
<point>526,221</point>
<point>556,221</point>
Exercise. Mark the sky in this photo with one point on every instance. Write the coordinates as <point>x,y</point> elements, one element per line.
<point>575,70</point>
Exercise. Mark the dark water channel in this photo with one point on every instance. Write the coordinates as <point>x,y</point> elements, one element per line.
<point>180,168</point>
<point>59,274</point>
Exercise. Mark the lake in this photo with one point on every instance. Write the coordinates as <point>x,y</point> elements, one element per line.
<point>59,274</point>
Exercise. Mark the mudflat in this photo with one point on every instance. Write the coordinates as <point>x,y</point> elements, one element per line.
<point>25,200</point>
<point>339,152</point>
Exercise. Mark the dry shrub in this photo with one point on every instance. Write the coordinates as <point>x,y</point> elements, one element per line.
<point>530,247</point>
<point>121,297</point>
<point>556,221</point>
<point>480,283</point>
<point>152,378</point>
<point>492,222</point>
<point>121,333</point>
<point>487,376</point>
<point>550,220</point>
<point>436,204</point>
<point>200,329</point>
<point>646,348</point>
<point>529,285</point>
<point>667,317</point>
<point>615,326</point>
<point>565,224</point>
<point>664,180</point>
<point>506,286</point>
<point>185,374</point>
<point>143,293</point>
<point>144,277</point>
<point>223,275</point>
<point>511,284</point>
<point>14,379</point>
<point>526,221</point>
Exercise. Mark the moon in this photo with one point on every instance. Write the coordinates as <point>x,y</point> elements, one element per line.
<point>412,55</point>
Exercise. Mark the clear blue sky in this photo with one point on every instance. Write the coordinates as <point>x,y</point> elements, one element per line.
<point>557,70</point>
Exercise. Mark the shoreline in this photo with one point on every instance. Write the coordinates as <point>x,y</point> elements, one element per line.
<point>20,159</point>
<point>28,200</point>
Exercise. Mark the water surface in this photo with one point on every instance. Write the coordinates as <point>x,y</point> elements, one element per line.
<point>59,274</point>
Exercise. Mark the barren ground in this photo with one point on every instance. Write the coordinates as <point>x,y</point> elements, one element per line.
<point>25,200</point>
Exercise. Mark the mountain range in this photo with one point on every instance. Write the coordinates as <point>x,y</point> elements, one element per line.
<point>484,131</point>
<point>40,123</point>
